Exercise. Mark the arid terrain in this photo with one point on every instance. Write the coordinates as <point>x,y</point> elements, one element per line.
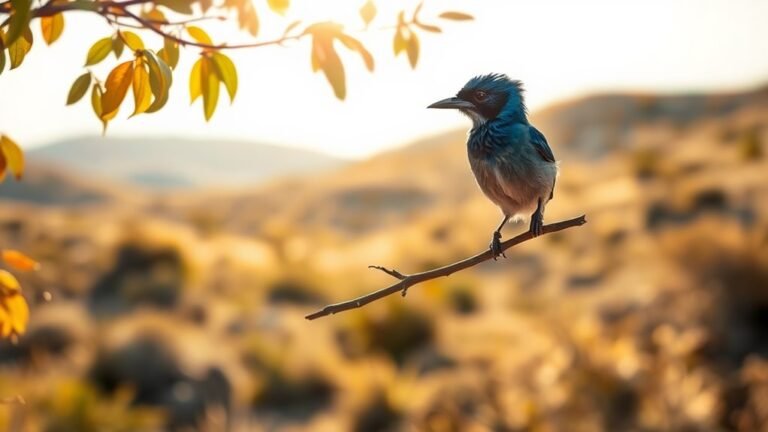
<point>184,309</point>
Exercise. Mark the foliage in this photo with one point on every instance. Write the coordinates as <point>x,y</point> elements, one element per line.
<point>149,74</point>
<point>14,311</point>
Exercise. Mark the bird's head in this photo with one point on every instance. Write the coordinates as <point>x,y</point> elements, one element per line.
<point>487,97</point>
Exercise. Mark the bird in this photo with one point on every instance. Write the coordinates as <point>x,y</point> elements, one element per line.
<point>511,160</point>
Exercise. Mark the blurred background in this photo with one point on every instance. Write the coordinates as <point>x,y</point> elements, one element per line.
<point>182,256</point>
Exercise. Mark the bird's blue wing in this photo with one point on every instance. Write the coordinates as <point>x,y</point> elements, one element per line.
<point>539,142</point>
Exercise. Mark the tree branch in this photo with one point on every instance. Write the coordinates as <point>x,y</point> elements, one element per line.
<point>407,281</point>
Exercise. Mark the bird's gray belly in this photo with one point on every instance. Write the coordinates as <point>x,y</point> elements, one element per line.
<point>515,185</point>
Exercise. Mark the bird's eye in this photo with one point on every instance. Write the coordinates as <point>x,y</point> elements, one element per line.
<point>480,95</point>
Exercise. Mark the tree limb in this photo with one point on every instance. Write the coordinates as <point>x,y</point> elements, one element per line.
<point>407,281</point>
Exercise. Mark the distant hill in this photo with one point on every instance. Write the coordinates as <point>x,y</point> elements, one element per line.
<point>163,163</point>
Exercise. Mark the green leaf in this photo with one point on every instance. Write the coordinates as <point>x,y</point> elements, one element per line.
<point>133,40</point>
<point>209,86</point>
<point>199,35</point>
<point>2,52</point>
<point>98,51</point>
<point>227,72</point>
<point>18,50</point>
<point>279,6</point>
<point>117,84</point>
<point>19,20</point>
<point>195,79</point>
<point>117,46</point>
<point>51,27</point>
<point>180,6</point>
<point>160,80</point>
<point>79,87</point>
<point>413,49</point>
<point>456,16</point>
<point>368,12</point>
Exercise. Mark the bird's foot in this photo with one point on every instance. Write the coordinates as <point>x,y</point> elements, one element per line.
<point>495,246</point>
<point>537,224</point>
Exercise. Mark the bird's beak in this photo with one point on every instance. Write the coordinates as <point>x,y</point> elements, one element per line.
<point>453,103</point>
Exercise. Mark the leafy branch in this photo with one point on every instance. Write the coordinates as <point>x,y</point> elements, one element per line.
<point>407,281</point>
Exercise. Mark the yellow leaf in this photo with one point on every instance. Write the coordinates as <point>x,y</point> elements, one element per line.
<point>14,157</point>
<point>356,45</point>
<point>3,165</point>
<point>2,52</point>
<point>248,19</point>
<point>96,97</point>
<point>116,86</point>
<point>8,283</point>
<point>160,80</point>
<point>19,261</point>
<point>456,16</point>
<point>209,85</point>
<point>400,44</point>
<point>142,96</point>
<point>195,80</point>
<point>14,314</point>
<point>413,49</point>
<point>227,72</point>
<point>368,12</point>
<point>19,48</point>
<point>51,27</point>
<point>170,53</point>
<point>279,6</point>
<point>98,51</point>
<point>199,35</point>
<point>79,87</point>
<point>334,70</point>
<point>133,40</point>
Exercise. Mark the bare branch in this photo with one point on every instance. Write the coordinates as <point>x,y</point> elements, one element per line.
<point>410,280</point>
<point>394,273</point>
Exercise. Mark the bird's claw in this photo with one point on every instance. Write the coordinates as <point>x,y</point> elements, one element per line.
<point>537,224</point>
<point>495,246</point>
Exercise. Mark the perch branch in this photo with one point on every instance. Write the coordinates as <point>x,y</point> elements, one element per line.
<point>407,281</point>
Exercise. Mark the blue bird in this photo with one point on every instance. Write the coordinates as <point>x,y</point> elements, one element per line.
<point>511,159</point>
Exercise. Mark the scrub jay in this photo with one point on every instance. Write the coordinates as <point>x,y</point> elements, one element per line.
<point>511,160</point>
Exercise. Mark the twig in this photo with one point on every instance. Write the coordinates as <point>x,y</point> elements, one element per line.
<point>407,281</point>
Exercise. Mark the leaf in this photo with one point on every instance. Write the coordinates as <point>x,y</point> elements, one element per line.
<point>98,51</point>
<point>209,85</point>
<point>18,50</point>
<point>180,6</point>
<point>334,71</point>
<point>116,86</point>
<point>170,53</point>
<point>195,80</point>
<point>19,261</point>
<point>413,49</point>
<point>96,96</point>
<point>456,16</point>
<point>133,40</point>
<point>51,27</point>
<point>14,314</point>
<point>3,165</point>
<point>248,19</point>
<point>142,95</point>
<point>199,35</point>
<point>117,46</point>
<point>14,157</point>
<point>356,45</point>
<point>368,12</point>
<point>290,27</point>
<point>2,52</point>
<point>227,72</point>
<point>160,80</point>
<point>18,22</point>
<point>8,283</point>
<point>428,27</point>
<point>79,87</point>
<point>279,6</point>
<point>400,44</point>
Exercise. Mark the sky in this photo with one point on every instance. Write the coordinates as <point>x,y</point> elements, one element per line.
<point>559,49</point>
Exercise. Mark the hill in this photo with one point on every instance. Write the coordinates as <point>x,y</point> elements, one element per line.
<point>163,163</point>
